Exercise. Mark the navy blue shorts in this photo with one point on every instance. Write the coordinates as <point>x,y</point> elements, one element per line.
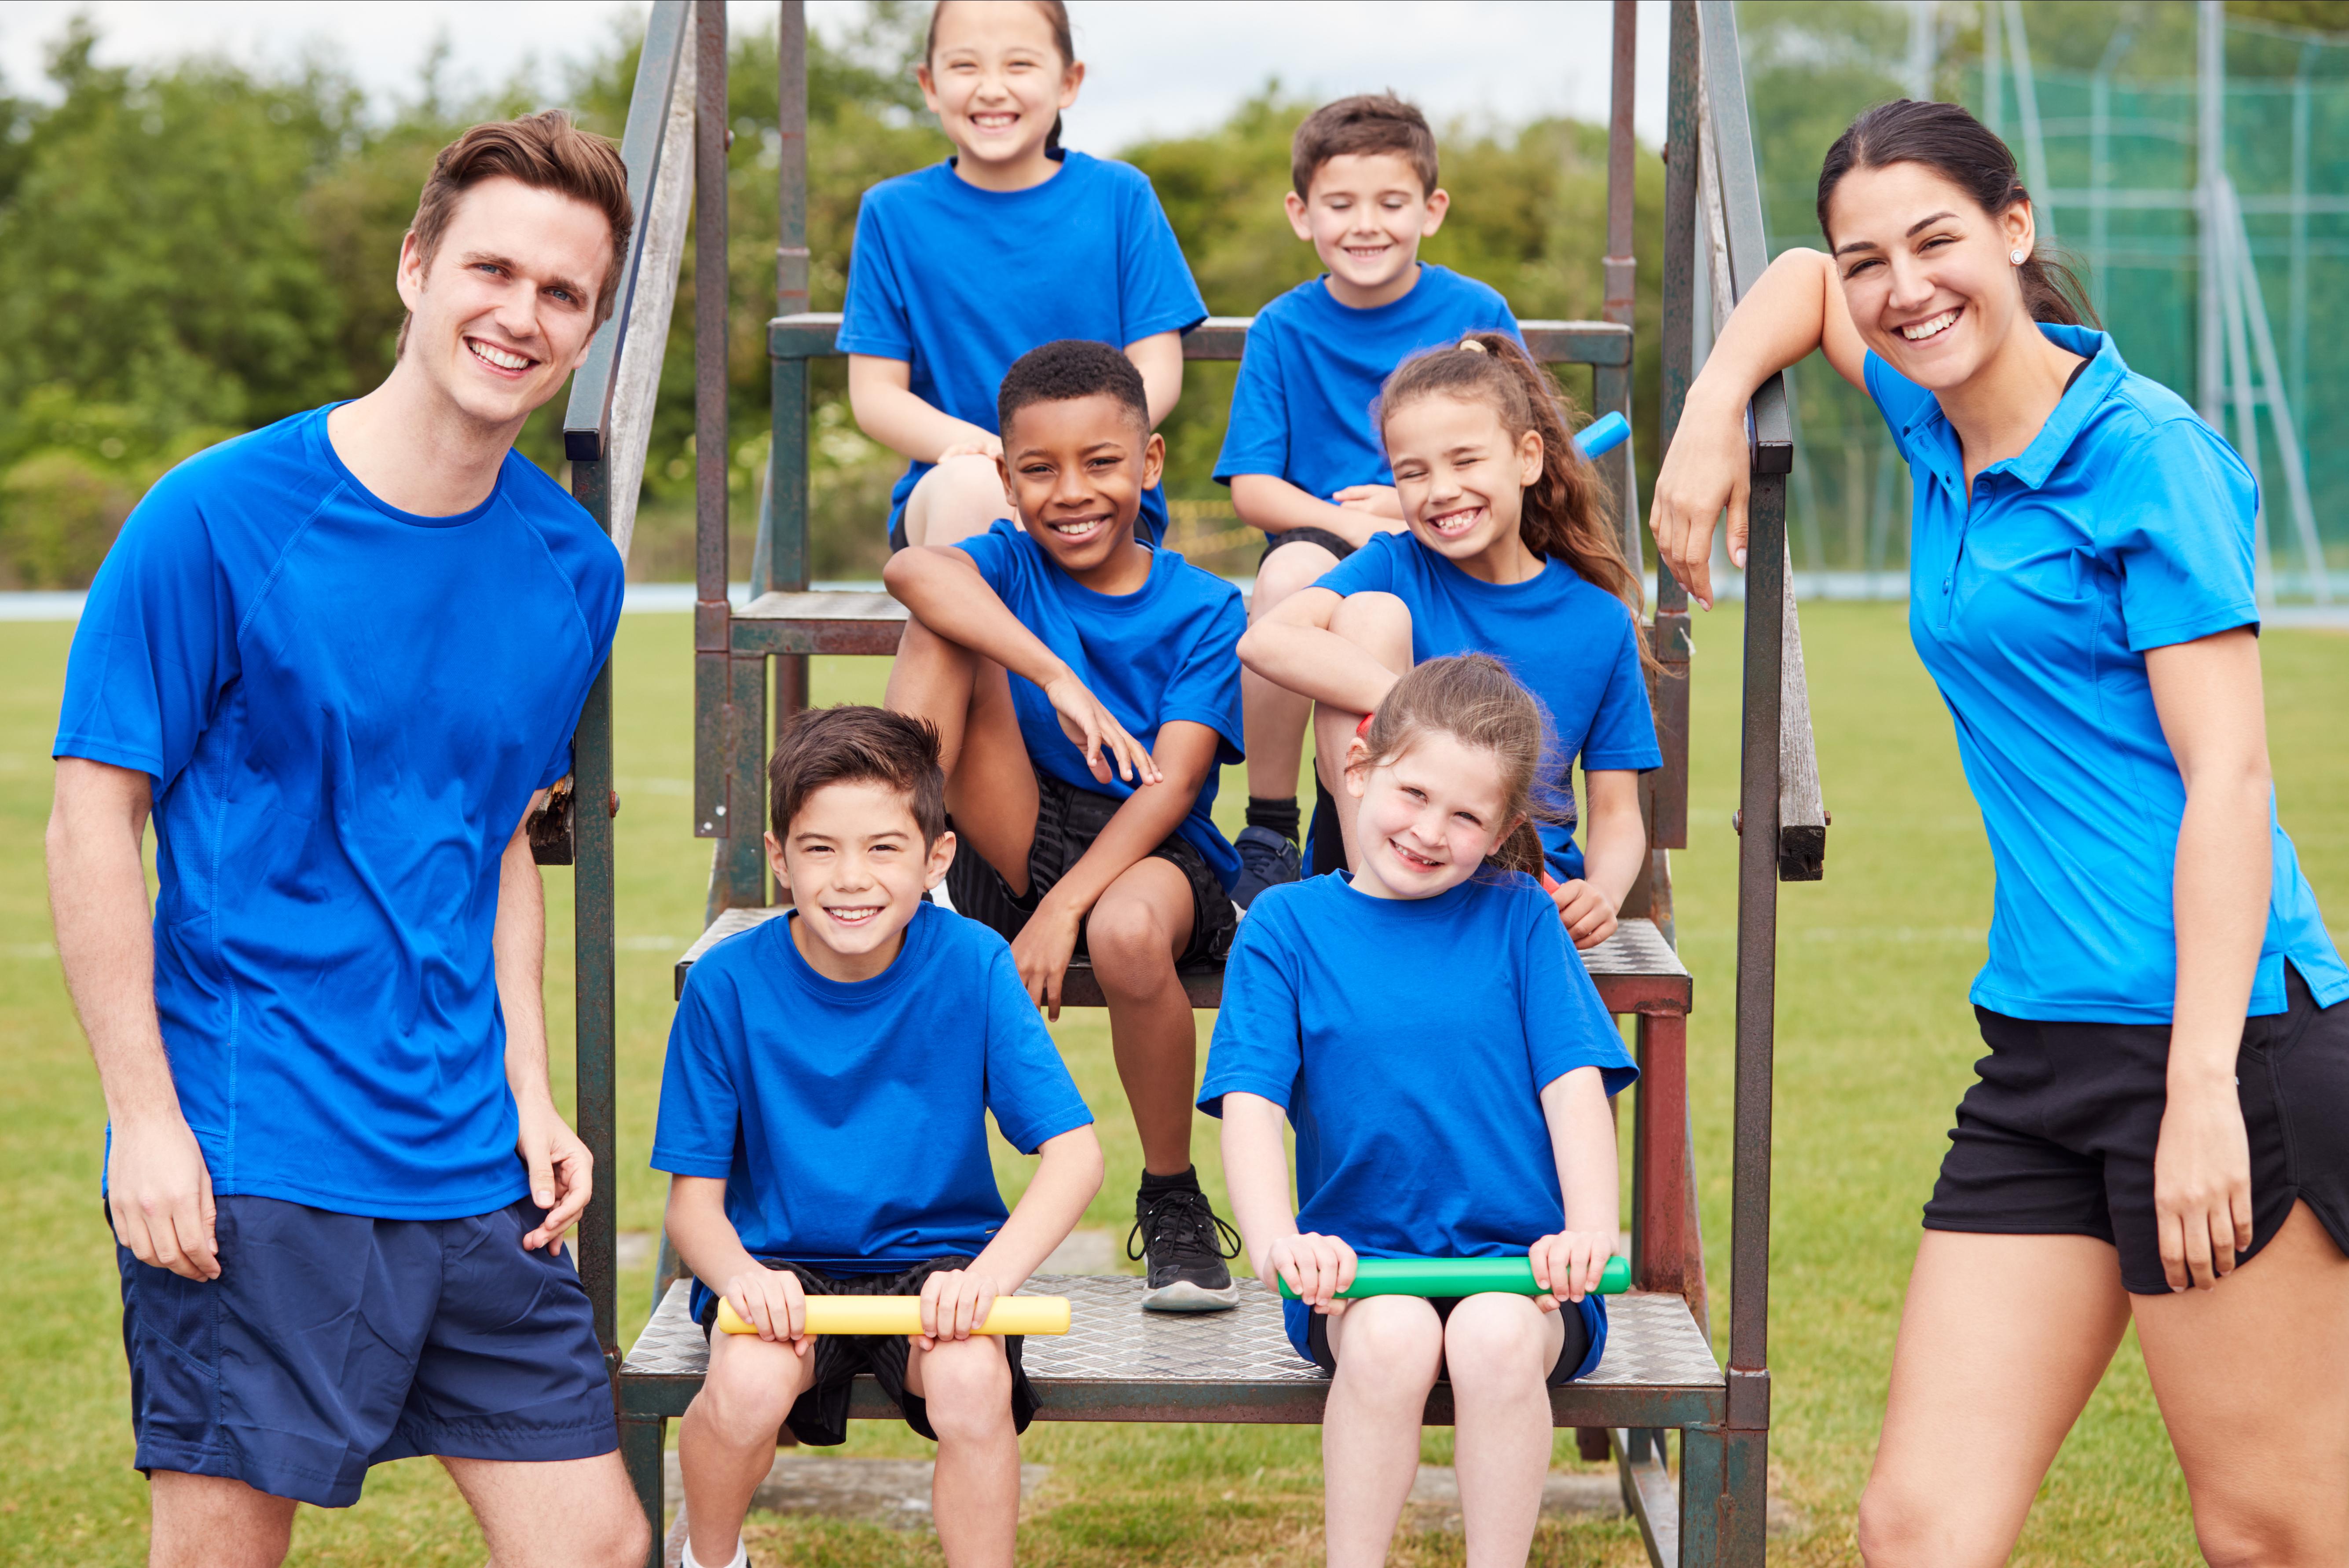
<point>334,1342</point>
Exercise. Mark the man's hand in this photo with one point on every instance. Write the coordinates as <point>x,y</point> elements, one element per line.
<point>2202,1185</point>
<point>955,1302</point>
<point>1042,951</point>
<point>161,1194</point>
<point>772,1302</point>
<point>561,1172</point>
<point>1097,734</point>
<point>1588,913</point>
<point>1316,1267</point>
<point>1569,1265</point>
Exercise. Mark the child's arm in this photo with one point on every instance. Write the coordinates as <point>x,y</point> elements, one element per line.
<point>1582,1142</point>
<point>1615,841</point>
<point>705,1239</point>
<point>880,396</point>
<point>1256,1173</point>
<point>1159,357</point>
<point>1185,758</point>
<point>1294,647</point>
<point>1067,1174</point>
<point>1271,503</point>
<point>943,588</point>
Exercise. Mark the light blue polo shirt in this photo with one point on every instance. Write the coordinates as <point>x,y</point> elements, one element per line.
<point>2125,526</point>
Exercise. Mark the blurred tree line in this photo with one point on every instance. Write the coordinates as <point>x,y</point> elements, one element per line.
<point>190,251</point>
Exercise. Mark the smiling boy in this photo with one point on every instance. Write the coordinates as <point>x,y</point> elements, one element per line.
<point>1303,462</point>
<point>1086,689</point>
<point>339,660</point>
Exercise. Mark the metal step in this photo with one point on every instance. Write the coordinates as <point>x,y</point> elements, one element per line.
<point>819,623</point>
<point>811,335</point>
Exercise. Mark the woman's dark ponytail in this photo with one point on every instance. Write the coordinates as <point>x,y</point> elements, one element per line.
<point>1948,140</point>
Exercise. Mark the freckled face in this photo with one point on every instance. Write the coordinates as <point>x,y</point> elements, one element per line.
<point>1925,270</point>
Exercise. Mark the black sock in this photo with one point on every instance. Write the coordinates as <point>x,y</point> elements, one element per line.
<point>1185,1180</point>
<point>1278,814</point>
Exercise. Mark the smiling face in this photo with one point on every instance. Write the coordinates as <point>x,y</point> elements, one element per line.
<point>1366,213</point>
<point>1428,817</point>
<point>1926,272</point>
<point>503,310</point>
<point>995,78</point>
<point>1076,469</point>
<point>1460,477</point>
<point>854,866</point>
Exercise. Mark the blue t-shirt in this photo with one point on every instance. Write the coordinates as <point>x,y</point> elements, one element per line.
<point>342,709</point>
<point>1406,1147</point>
<point>2124,525</point>
<point>1571,642</point>
<point>959,282</point>
<point>849,1120</point>
<point>1301,407</point>
<point>1169,651</point>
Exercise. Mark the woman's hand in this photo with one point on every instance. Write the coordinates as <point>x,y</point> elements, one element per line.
<point>1569,1265</point>
<point>771,1301</point>
<point>1316,1267</point>
<point>955,1302</point>
<point>1588,913</point>
<point>1097,733</point>
<point>1706,468</point>
<point>1043,948</point>
<point>2202,1185</point>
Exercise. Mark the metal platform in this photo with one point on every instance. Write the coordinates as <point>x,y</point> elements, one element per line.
<point>1119,1363</point>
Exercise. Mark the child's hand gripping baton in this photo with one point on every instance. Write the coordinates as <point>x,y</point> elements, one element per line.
<point>1459,1276</point>
<point>903,1314</point>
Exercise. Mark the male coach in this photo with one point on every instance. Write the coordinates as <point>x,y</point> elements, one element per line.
<point>339,660</point>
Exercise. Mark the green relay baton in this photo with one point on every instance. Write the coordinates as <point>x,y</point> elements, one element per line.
<point>1459,1276</point>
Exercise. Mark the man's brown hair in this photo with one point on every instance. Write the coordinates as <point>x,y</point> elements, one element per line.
<point>546,153</point>
<point>851,745</point>
<point>1365,123</point>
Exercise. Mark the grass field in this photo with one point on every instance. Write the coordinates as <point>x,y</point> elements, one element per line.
<point>1875,1042</point>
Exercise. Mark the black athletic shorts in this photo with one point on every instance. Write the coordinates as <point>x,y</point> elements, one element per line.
<point>2057,1135</point>
<point>818,1416</point>
<point>1068,821</point>
<point>1336,545</point>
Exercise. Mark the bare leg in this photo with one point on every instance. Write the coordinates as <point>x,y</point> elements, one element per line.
<point>1498,1350</point>
<point>990,783</point>
<point>1134,933</point>
<point>213,1521</point>
<point>1380,624</point>
<point>975,1488</point>
<point>1986,1380</point>
<point>1388,1349</point>
<point>725,1444</point>
<point>959,498</point>
<point>1273,717</point>
<point>2253,1381</point>
<point>557,1513</point>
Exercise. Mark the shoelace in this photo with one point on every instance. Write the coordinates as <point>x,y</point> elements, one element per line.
<point>1183,1215</point>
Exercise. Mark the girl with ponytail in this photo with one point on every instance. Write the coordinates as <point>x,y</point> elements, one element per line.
<point>1457,1107</point>
<point>1510,552</point>
<point>2159,1135</point>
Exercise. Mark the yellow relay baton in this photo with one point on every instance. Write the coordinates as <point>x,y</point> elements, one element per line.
<point>903,1314</point>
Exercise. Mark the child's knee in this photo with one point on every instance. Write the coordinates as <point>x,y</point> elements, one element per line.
<point>967,1388</point>
<point>1393,1341</point>
<point>751,1389</point>
<point>1499,1338</point>
<point>963,488</point>
<point>1379,623</point>
<point>1127,933</point>
<point>1284,572</point>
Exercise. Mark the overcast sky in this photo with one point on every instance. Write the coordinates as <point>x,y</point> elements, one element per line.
<point>1154,66</point>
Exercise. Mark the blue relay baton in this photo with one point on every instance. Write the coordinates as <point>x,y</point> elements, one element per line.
<point>1603,435</point>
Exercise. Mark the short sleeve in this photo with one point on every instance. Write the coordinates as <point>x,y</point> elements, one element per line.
<point>872,318</point>
<point>156,643</point>
<point>1898,398</point>
<point>1623,727</point>
<point>1372,569</point>
<point>1028,1088</point>
<point>996,554</point>
<point>1257,1046</point>
<point>1205,687</point>
<point>1256,438</point>
<point>701,1103</point>
<point>601,590</point>
<point>1567,1025</point>
<point>2181,537</point>
<point>1155,291</point>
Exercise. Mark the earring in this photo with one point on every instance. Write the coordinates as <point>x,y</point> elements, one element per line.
<point>2016,258</point>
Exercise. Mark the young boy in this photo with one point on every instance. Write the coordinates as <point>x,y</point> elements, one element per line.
<point>1300,455</point>
<point>1086,688</point>
<point>822,1117</point>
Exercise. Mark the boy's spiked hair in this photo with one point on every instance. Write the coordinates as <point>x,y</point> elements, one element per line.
<point>1367,122</point>
<point>1071,368</point>
<point>852,745</point>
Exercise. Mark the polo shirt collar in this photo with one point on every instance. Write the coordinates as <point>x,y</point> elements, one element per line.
<point>2036,461</point>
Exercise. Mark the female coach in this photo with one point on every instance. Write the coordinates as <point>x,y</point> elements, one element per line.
<point>2160,1132</point>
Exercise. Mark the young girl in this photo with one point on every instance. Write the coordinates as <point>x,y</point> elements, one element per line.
<point>960,268</point>
<point>1454,1106</point>
<point>1510,554</point>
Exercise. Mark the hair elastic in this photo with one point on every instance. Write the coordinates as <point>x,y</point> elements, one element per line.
<point>1473,347</point>
<point>1363,731</point>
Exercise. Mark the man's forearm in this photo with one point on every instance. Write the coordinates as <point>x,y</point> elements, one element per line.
<point>106,944</point>
<point>518,944</point>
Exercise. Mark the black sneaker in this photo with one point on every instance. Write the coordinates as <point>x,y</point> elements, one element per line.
<point>1183,1249</point>
<point>1267,859</point>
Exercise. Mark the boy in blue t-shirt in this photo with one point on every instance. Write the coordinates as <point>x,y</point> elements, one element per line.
<point>1303,462</point>
<point>1087,687</point>
<point>823,1117</point>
